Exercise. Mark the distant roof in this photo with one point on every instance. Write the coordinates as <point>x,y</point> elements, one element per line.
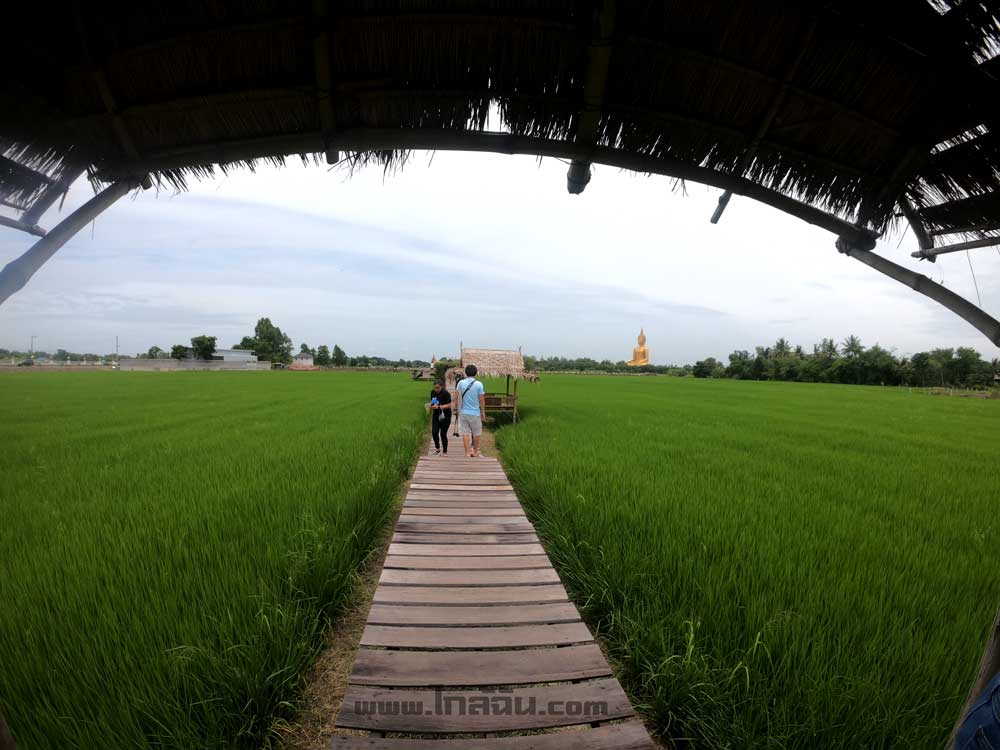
<point>303,355</point>
<point>850,107</point>
<point>493,363</point>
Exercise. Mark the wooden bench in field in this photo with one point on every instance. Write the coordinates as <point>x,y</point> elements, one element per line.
<point>471,633</point>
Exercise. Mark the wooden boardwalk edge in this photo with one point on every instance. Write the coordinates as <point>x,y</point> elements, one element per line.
<point>472,634</point>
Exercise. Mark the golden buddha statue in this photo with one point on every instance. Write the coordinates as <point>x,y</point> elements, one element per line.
<point>640,355</point>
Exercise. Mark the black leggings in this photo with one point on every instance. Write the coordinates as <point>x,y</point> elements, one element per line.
<point>439,428</point>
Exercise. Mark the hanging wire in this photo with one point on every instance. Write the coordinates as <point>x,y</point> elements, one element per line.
<point>968,257</point>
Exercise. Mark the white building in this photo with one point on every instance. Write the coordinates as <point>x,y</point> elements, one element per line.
<point>235,355</point>
<point>302,361</point>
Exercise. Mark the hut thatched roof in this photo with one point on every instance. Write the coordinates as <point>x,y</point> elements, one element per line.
<point>498,363</point>
<point>849,107</point>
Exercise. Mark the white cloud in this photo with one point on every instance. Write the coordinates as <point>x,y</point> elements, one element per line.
<point>487,249</point>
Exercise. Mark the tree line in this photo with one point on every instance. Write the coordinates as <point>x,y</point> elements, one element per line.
<point>851,362</point>
<point>271,344</point>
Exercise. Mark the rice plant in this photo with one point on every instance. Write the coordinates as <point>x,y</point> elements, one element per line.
<point>774,565</point>
<point>172,545</point>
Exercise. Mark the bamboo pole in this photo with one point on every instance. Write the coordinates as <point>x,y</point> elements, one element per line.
<point>772,112</point>
<point>933,252</point>
<point>989,666</point>
<point>595,79</point>
<point>979,318</point>
<point>22,226</point>
<point>16,273</point>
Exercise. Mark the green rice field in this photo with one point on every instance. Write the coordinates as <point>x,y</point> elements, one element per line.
<point>172,545</point>
<point>774,565</point>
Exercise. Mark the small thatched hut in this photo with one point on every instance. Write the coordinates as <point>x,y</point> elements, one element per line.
<point>496,363</point>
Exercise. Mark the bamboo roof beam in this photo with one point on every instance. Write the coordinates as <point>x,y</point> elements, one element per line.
<point>924,239</point>
<point>979,318</point>
<point>932,252</point>
<point>16,274</point>
<point>769,115</point>
<point>595,82</point>
<point>22,226</point>
<point>991,226</point>
<point>373,139</point>
<point>324,87</point>
<point>49,196</point>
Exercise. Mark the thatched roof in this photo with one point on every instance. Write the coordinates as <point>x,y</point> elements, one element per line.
<point>498,363</point>
<point>847,106</point>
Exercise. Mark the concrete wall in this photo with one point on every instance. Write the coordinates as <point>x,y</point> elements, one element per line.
<point>178,365</point>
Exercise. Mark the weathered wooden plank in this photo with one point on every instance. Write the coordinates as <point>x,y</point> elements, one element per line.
<point>445,711</point>
<point>508,636</point>
<point>465,550</point>
<point>455,595</point>
<point>468,577</point>
<point>457,520</point>
<point>501,504</point>
<point>453,479</point>
<point>460,488</point>
<point>422,470</point>
<point>473,668</point>
<point>466,511</point>
<point>420,527</point>
<point>444,538</point>
<point>513,562</point>
<point>458,497</point>
<point>523,614</point>
<point>462,503</point>
<point>629,735</point>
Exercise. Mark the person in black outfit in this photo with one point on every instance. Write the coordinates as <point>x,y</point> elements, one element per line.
<point>440,405</point>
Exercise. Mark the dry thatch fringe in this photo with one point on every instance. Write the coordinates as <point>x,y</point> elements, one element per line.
<point>40,166</point>
<point>976,23</point>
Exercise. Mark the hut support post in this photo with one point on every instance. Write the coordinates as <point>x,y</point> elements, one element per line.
<point>595,80</point>
<point>16,273</point>
<point>989,665</point>
<point>515,401</point>
<point>979,318</point>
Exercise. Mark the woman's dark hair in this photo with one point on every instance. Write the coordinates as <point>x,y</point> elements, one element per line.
<point>471,370</point>
<point>439,382</point>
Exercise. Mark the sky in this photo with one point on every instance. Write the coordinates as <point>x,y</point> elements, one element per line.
<point>482,249</point>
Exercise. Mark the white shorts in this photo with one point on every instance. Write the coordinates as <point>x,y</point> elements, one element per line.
<point>470,425</point>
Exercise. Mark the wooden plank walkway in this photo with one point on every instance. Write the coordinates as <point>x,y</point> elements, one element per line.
<point>471,633</point>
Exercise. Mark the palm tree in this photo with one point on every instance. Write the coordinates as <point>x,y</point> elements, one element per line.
<point>852,347</point>
<point>781,347</point>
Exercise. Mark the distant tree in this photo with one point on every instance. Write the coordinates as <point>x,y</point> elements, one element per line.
<point>323,357</point>
<point>852,347</point>
<point>248,343</point>
<point>270,342</point>
<point>179,351</point>
<point>304,349</point>
<point>740,363</point>
<point>61,355</point>
<point>339,357</point>
<point>705,368</point>
<point>154,352</point>
<point>203,346</point>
